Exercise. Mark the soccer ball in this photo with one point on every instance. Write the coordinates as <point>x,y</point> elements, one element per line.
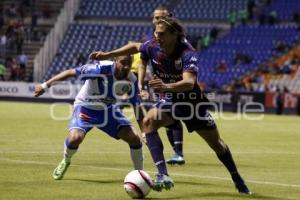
<point>138,184</point>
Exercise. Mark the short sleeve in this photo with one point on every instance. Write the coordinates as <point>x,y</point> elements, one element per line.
<point>88,69</point>
<point>144,50</point>
<point>190,62</point>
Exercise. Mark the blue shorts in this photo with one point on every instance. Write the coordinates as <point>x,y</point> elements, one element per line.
<point>109,120</point>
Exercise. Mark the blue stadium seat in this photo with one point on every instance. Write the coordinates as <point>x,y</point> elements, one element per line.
<point>255,41</point>
<point>85,38</point>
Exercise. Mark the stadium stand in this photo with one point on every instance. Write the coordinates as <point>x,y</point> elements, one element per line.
<point>84,38</point>
<point>241,49</point>
<point>207,9</point>
<point>118,9</point>
<point>288,72</point>
<point>232,57</point>
<point>284,9</point>
<point>25,25</point>
<point>255,43</point>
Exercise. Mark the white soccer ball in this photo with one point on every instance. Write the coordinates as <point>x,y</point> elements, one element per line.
<point>138,184</point>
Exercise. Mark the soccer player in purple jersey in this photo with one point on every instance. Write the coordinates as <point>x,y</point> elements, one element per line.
<point>96,106</point>
<point>174,133</point>
<point>175,65</point>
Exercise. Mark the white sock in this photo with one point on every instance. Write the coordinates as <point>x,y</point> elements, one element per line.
<point>137,158</point>
<point>68,153</point>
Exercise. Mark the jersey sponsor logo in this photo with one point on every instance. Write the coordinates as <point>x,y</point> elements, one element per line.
<point>209,119</point>
<point>107,100</point>
<point>122,87</point>
<point>169,76</point>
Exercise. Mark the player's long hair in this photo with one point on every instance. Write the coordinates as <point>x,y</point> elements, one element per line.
<point>173,26</point>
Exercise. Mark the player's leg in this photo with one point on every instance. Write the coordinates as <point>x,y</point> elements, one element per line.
<point>175,136</point>
<point>223,153</point>
<point>174,133</point>
<point>119,127</point>
<point>79,126</point>
<point>204,124</point>
<point>169,132</point>
<point>128,134</point>
<point>155,119</point>
<point>72,143</point>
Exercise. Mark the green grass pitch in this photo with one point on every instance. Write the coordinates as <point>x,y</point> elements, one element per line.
<point>266,151</point>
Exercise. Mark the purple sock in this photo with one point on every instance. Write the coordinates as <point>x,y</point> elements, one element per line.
<point>156,149</point>
<point>228,161</point>
<point>170,137</point>
<point>178,138</point>
<point>175,135</point>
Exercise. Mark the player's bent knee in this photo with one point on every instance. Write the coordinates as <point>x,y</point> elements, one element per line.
<point>135,141</point>
<point>127,134</point>
<point>150,124</point>
<point>75,137</point>
<point>147,121</point>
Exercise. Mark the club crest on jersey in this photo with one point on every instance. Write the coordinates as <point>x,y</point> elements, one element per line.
<point>178,64</point>
<point>193,59</point>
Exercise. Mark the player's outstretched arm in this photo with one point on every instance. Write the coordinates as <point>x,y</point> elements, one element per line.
<point>40,88</point>
<point>128,49</point>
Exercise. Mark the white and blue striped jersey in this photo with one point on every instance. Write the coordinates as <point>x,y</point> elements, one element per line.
<point>101,88</point>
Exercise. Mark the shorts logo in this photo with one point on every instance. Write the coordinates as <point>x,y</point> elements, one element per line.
<point>84,116</point>
<point>209,119</point>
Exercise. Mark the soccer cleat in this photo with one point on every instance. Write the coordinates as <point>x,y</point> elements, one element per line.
<point>60,170</point>
<point>176,160</point>
<point>240,185</point>
<point>162,181</point>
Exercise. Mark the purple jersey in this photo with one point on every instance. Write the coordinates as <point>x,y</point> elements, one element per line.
<point>170,68</point>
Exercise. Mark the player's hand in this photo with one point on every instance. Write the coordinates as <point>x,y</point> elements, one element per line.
<point>99,55</point>
<point>38,90</point>
<point>157,83</point>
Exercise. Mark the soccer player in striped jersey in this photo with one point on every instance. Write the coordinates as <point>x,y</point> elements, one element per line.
<point>96,106</point>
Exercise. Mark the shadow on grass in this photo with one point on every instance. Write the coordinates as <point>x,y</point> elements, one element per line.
<point>216,164</point>
<point>235,195</point>
<point>220,195</point>
<point>193,183</point>
<point>107,181</point>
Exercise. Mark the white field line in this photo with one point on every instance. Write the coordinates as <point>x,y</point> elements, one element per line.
<point>175,174</point>
<point>261,153</point>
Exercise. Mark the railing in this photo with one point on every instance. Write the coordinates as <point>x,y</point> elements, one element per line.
<point>47,52</point>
